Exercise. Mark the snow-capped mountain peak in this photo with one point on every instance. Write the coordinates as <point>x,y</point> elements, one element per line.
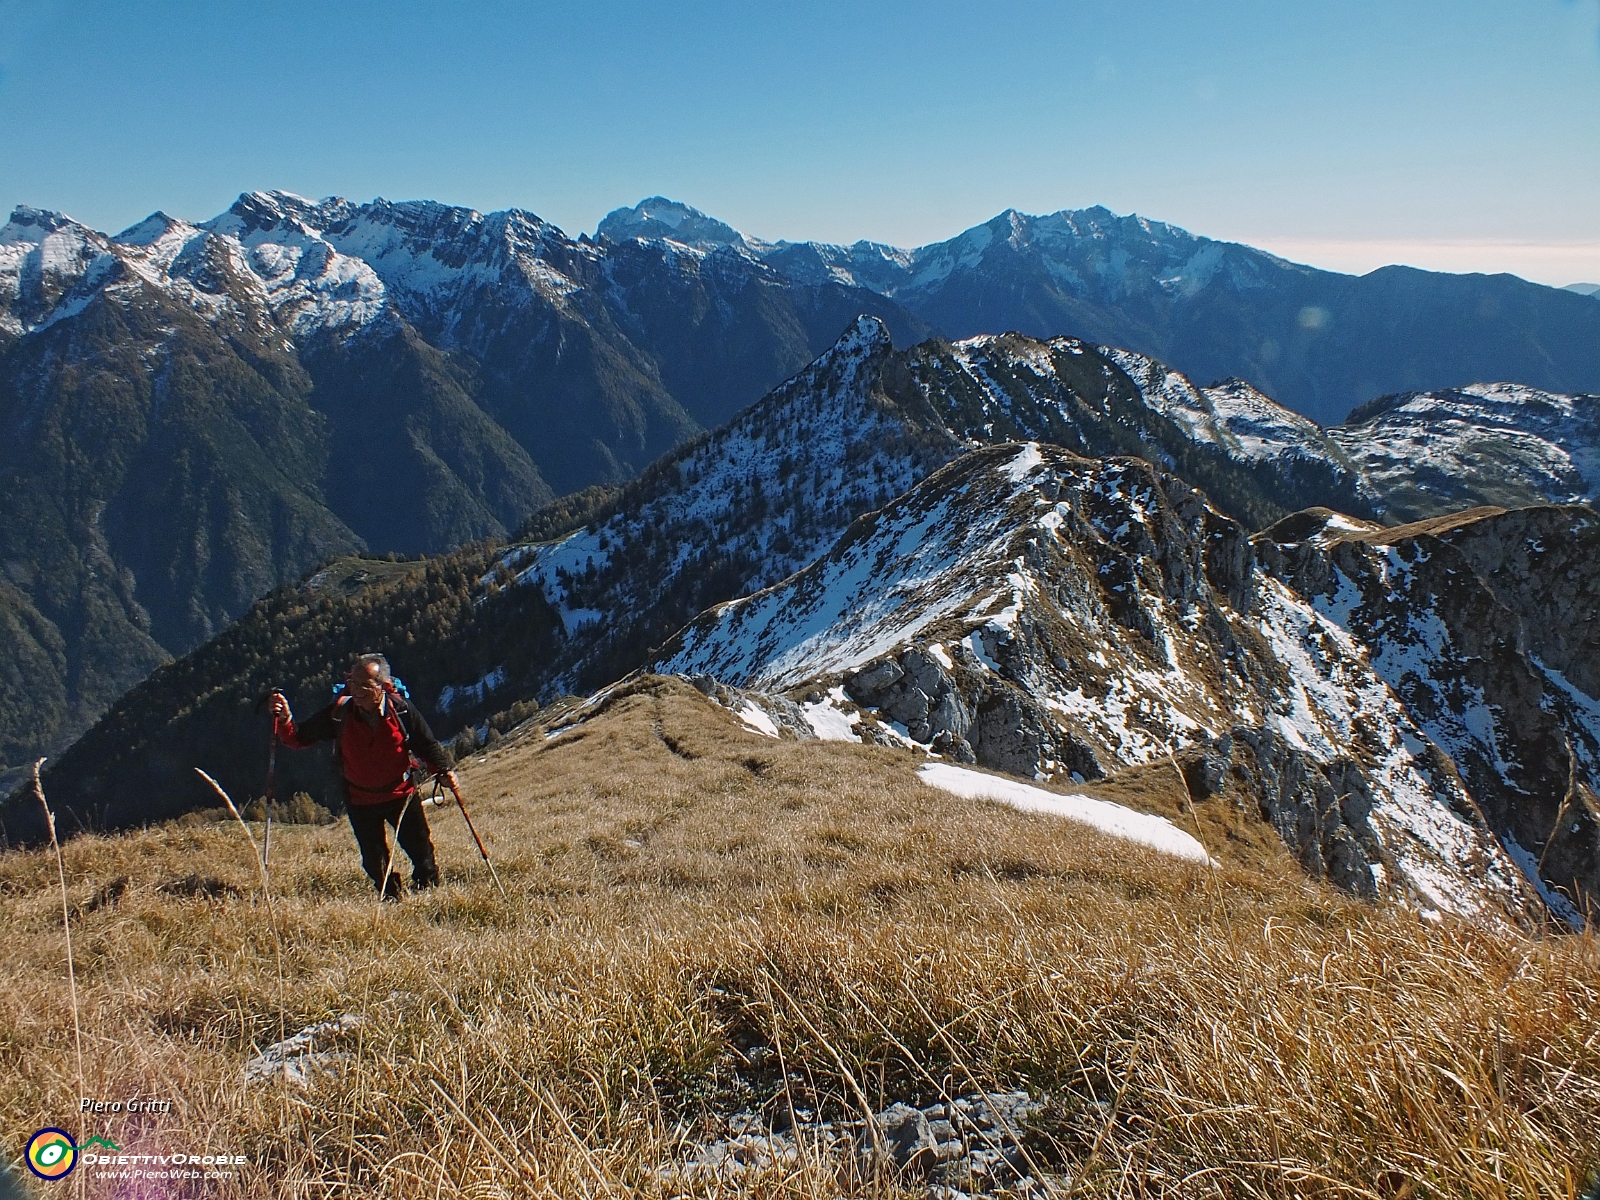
<point>157,225</point>
<point>658,217</point>
<point>48,265</point>
<point>265,211</point>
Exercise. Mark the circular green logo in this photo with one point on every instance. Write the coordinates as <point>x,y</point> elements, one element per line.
<point>52,1154</point>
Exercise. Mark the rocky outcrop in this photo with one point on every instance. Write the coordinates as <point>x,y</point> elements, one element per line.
<point>1466,619</point>
<point>1061,618</point>
<point>775,716</point>
<point>973,1145</point>
<point>1321,812</point>
<point>1540,563</point>
<point>967,713</point>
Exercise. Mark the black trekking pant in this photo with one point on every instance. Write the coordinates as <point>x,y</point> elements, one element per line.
<point>369,823</point>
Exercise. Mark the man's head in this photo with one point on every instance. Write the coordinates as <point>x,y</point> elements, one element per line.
<point>369,674</point>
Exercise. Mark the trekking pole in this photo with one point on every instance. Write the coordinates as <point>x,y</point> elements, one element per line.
<point>272,772</point>
<point>462,805</point>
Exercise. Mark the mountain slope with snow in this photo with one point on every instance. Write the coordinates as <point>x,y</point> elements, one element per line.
<point>752,503</point>
<point>764,496</point>
<point>1490,443</point>
<point>1058,617</point>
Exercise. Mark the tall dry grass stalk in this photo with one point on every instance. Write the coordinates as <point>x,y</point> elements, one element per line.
<point>66,923</point>
<point>718,923</point>
<point>260,860</point>
<point>393,843</point>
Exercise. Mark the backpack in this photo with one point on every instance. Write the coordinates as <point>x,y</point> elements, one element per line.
<point>399,705</point>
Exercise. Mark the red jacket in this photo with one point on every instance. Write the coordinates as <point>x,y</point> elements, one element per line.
<point>374,758</point>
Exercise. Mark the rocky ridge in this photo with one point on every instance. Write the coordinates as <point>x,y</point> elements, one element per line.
<point>764,496</point>
<point>1060,618</point>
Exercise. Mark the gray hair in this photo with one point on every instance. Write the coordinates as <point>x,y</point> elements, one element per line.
<point>361,660</point>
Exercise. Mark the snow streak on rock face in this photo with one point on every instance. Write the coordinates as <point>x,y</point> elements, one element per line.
<point>736,511</point>
<point>1057,617</point>
<point>1450,617</point>
<point>1344,713</point>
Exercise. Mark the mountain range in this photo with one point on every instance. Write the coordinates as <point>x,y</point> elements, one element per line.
<point>195,414</point>
<point>995,550</point>
<point>1318,342</point>
<point>191,415</point>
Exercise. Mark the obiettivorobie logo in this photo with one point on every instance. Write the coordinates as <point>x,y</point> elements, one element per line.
<point>52,1153</point>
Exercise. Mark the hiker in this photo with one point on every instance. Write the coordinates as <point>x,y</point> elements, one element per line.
<point>376,732</point>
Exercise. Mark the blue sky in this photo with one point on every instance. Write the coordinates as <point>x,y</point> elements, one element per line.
<point>1459,135</point>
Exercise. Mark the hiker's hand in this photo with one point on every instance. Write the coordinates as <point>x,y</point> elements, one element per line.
<point>280,707</point>
<point>450,781</point>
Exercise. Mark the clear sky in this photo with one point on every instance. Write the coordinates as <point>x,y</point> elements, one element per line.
<point>1452,134</point>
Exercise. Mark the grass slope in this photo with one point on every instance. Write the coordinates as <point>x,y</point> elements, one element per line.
<point>703,920</point>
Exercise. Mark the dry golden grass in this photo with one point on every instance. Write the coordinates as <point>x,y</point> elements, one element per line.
<point>684,892</point>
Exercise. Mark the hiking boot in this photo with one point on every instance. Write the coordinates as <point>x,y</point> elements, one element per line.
<point>421,880</point>
<point>395,889</point>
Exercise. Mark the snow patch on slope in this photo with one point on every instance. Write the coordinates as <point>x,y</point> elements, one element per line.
<point>1158,833</point>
